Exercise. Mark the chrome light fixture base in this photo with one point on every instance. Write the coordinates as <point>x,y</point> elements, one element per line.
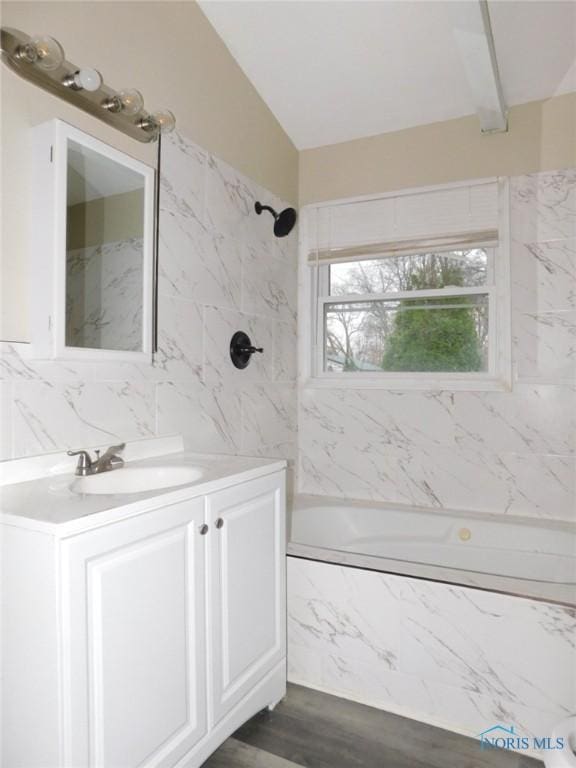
<point>17,52</point>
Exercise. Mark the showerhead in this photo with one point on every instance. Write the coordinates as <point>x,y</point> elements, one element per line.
<point>283,221</point>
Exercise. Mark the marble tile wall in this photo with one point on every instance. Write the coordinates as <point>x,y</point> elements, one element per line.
<point>455,657</point>
<point>221,270</point>
<point>498,452</point>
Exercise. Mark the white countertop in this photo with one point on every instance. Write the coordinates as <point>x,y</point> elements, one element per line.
<point>48,504</point>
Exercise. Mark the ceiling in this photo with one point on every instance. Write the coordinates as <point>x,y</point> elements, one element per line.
<point>336,70</point>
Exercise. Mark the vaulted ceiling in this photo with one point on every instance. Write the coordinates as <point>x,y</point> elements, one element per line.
<point>332,71</point>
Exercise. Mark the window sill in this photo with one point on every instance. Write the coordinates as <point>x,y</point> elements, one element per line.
<point>426,384</point>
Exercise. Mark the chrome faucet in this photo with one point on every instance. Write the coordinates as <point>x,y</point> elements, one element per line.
<point>105,463</point>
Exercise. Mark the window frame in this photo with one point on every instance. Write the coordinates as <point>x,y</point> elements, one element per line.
<point>316,296</point>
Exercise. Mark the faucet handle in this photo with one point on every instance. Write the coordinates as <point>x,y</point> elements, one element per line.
<point>117,448</point>
<point>110,458</point>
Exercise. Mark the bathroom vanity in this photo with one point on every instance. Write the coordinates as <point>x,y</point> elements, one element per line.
<point>141,629</point>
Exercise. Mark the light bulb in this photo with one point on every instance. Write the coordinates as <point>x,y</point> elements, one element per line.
<point>88,79</point>
<point>43,51</point>
<point>131,101</point>
<point>165,120</point>
<point>162,121</point>
<point>84,80</point>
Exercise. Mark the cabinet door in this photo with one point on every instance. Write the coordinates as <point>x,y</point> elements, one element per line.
<point>247,587</point>
<point>134,640</point>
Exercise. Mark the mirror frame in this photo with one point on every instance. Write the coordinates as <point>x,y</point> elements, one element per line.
<point>50,170</point>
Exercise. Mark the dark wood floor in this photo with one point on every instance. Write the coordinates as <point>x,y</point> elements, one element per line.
<point>315,730</point>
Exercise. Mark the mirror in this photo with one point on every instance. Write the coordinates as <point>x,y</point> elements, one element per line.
<point>93,294</point>
<point>104,252</point>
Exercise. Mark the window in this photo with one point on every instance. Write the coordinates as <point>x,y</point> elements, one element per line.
<point>425,310</point>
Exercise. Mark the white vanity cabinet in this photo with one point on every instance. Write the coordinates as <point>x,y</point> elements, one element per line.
<point>148,640</point>
<point>247,555</point>
<point>135,618</point>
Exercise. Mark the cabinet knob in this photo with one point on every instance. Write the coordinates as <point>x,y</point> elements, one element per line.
<point>219,523</point>
<point>203,529</point>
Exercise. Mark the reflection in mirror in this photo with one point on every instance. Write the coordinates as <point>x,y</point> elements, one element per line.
<point>104,252</point>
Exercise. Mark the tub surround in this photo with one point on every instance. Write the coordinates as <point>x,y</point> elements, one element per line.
<point>221,270</point>
<point>453,657</point>
<point>496,452</point>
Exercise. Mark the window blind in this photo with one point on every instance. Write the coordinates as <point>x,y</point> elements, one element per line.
<point>436,220</point>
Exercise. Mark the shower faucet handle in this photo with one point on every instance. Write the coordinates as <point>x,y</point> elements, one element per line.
<point>250,350</point>
<point>242,349</point>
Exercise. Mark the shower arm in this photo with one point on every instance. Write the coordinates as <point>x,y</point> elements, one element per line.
<point>259,208</point>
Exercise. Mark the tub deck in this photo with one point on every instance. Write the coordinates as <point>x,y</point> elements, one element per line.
<point>523,557</point>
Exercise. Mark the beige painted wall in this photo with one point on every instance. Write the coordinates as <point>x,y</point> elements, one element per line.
<point>171,53</point>
<point>541,136</point>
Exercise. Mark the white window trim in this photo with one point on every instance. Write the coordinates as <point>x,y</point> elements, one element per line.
<point>311,308</point>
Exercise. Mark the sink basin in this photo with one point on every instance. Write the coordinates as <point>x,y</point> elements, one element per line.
<point>136,479</point>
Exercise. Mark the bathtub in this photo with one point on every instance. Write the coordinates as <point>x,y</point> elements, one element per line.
<point>518,556</point>
<point>459,620</point>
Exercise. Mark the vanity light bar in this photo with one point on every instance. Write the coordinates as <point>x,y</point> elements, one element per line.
<point>41,60</point>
